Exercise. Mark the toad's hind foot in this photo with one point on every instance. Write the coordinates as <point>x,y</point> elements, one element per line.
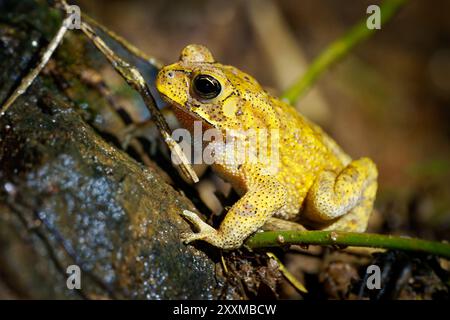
<point>344,200</point>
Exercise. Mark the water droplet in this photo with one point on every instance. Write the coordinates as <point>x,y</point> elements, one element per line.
<point>280,239</point>
<point>10,188</point>
<point>333,236</point>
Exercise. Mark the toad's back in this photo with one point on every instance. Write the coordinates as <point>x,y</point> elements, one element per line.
<point>304,151</point>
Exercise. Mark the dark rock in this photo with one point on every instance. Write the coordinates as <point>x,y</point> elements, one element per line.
<point>67,196</point>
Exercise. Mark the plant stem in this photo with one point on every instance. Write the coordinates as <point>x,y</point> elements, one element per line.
<point>339,238</point>
<point>337,49</point>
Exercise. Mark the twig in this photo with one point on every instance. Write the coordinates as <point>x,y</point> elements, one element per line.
<point>289,276</point>
<point>134,78</point>
<point>29,78</point>
<point>339,238</point>
<point>338,49</point>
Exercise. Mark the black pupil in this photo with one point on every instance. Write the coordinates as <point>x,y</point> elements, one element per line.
<point>206,86</point>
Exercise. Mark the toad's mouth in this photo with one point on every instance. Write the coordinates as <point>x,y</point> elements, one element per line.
<point>185,109</point>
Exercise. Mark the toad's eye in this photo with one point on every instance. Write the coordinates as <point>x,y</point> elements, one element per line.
<point>206,87</point>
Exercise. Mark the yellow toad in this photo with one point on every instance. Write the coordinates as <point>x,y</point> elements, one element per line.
<point>314,181</point>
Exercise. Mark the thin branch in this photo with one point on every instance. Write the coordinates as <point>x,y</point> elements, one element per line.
<point>289,276</point>
<point>134,78</point>
<point>338,49</point>
<point>29,78</point>
<point>339,238</point>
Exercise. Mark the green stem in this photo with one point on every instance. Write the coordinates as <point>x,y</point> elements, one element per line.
<point>337,49</point>
<point>339,238</point>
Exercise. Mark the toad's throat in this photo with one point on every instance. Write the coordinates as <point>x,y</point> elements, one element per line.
<point>187,110</point>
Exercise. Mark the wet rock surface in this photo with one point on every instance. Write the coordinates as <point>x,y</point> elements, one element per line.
<point>68,197</point>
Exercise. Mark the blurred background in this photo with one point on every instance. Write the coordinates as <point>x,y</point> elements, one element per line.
<point>389,99</point>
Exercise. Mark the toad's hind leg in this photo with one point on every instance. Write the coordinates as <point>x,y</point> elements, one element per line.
<point>343,201</point>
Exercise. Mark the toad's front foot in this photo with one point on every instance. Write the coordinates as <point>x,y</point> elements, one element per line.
<point>206,233</point>
<point>205,230</point>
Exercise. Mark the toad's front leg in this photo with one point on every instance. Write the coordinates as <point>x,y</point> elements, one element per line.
<point>265,197</point>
